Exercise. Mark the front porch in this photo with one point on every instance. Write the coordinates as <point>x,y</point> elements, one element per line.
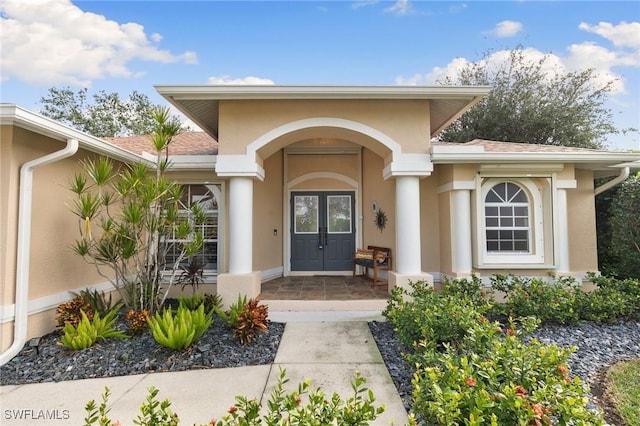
<point>327,288</point>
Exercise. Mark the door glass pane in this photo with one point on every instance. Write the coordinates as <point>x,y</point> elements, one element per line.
<point>339,214</point>
<point>306,214</point>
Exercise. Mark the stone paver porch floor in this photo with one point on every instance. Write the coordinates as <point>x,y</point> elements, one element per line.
<point>322,288</point>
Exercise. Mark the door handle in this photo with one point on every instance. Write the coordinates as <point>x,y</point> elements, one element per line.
<point>326,236</point>
<point>320,247</point>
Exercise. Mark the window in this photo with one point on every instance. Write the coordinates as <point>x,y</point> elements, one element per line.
<point>207,196</point>
<point>513,223</point>
<point>506,215</point>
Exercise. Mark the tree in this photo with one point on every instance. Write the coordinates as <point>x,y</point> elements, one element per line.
<point>123,215</point>
<point>624,226</point>
<point>533,102</point>
<point>108,115</point>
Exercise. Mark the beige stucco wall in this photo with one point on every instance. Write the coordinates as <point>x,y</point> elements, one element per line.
<point>54,268</point>
<point>583,244</point>
<point>430,225</point>
<point>375,188</point>
<point>242,122</point>
<point>268,215</point>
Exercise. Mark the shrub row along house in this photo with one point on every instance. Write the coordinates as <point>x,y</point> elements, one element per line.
<point>294,178</point>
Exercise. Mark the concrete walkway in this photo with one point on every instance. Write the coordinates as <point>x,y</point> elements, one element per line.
<point>326,352</point>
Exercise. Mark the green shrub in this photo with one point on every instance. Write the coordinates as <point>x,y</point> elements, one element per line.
<point>87,332</point>
<point>281,409</point>
<point>616,298</point>
<point>211,302</point>
<point>469,289</point>
<point>253,319</point>
<point>495,378</point>
<point>231,316</point>
<point>421,317</point>
<point>178,331</point>
<point>558,301</point>
<point>98,301</point>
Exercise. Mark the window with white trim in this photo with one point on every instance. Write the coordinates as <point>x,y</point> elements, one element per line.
<point>513,222</point>
<point>506,217</point>
<point>207,196</point>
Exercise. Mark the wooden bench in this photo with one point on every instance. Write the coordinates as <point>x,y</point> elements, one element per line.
<point>375,258</point>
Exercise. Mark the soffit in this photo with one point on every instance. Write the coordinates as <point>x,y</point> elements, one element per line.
<point>201,103</point>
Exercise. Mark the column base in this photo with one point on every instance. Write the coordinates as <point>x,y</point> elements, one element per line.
<point>230,286</point>
<point>403,280</point>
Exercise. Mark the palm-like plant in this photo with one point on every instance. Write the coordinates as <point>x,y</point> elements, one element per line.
<point>125,212</point>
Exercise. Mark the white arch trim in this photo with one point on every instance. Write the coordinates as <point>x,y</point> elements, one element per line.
<point>322,175</point>
<point>323,122</point>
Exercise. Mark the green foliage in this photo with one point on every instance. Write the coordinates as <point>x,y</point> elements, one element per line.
<point>562,300</point>
<point>231,316</point>
<point>282,408</point>
<point>533,102</point>
<point>108,114</point>
<point>557,301</point>
<point>156,413</point>
<point>425,318</point>
<point>612,300</point>
<point>624,223</point>
<point>499,381</point>
<point>98,301</point>
<point>320,409</point>
<point>469,289</point>
<point>472,371</point>
<point>123,215</point>
<point>71,312</point>
<point>211,302</point>
<point>87,332</point>
<point>623,381</point>
<point>178,331</point>
<point>99,414</point>
<point>251,321</point>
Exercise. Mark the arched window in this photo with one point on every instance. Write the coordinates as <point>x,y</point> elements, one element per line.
<point>507,219</point>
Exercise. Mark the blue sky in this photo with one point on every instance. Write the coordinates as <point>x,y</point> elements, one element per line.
<point>131,45</point>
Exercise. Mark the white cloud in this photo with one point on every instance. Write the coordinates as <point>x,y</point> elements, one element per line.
<point>625,34</point>
<point>577,58</point>
<point>400,7</point>
<point>66,45</point>
<point>226,80</point>
<point>363,3</point>
<point>506,29</point>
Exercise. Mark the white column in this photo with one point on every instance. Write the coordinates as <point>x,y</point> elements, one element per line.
<point>563,232</point>
<point>240,225</point>
<point>408,259</point>
<point>461,230</point>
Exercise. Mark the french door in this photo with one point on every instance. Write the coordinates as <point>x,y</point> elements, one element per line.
<point>322,230</point>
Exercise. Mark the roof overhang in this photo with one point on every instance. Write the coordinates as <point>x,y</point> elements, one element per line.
<point>200,103</point>
<point>604,162</point>
<point>11,114</point>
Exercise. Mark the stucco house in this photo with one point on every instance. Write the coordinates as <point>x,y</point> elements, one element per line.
<point>293,178</point>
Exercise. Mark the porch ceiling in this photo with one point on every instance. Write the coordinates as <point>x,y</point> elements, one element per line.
<point>200,102</point>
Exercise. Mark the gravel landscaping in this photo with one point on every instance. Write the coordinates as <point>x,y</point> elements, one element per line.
<point>216,348</point>
<point>598,347</point>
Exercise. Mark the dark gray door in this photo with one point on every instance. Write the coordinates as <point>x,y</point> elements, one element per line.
<point>322,230</point>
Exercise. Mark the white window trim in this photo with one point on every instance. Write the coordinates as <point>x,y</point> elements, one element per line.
<point>536,256</point>
<point>218,189</point>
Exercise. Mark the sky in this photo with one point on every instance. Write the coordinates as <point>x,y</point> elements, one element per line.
<point>122,46</point>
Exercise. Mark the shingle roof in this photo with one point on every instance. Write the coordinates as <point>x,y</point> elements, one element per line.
<point>187,143</point>
<point>496,146</point>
